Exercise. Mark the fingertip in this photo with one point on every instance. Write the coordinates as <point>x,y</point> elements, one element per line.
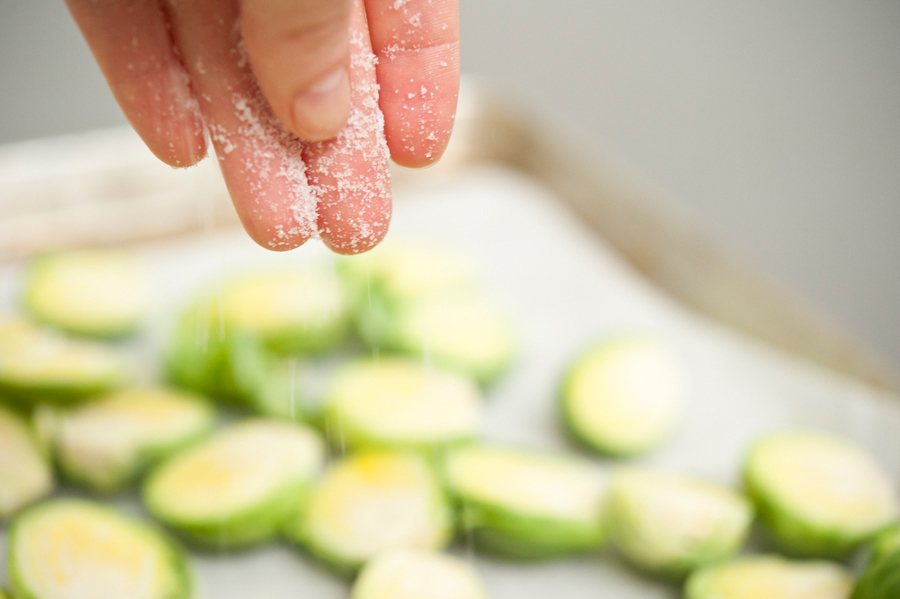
<point>354,243</point>
<point>419,94</point>
<point>273,239</point>
<point>179,148</point>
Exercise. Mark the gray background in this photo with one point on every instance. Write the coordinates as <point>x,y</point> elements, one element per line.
<point>775,126</point>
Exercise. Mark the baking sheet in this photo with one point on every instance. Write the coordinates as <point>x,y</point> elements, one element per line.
<point>564,288</point>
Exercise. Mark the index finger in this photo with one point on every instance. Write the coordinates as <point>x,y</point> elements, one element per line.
<point>417,45</point>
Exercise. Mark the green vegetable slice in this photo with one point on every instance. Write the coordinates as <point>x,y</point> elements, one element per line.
<point>40,365</point>
<point>68,548</point>
<point>302,310</point>
<point>238,487</point>
<point>819,495</point>
<point>769,577</point>
<point>24,471</point>
<point>105,444</point>
<point>402,403</point>
<point>881,579</point>
<point>202,352</point>
<point>528,504</point>
<point>409,574</point>
<point>396,273</point>
<point>102,293</point>
<point>887,542</point>
<point>284,391</point>
<point>466,333</point>
<point>371,503</point>
<point>625,396</point>
<point>670,524</point>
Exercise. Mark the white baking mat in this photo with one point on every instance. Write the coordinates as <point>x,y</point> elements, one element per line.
<point>565,289</point>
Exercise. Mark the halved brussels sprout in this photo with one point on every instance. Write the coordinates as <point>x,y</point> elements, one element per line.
<point>670,524</point>
<point>464,333</point>
<point>238,487</point>
<point>887,542</point>
<point>769,577</point>
<point>88,292</point>
<point>818,495</point>
<point>68,548</point>
<point>402,403</point>
<point>41,365</point>
<point>305,309</point>
<point>293,387</point>
<point>625,396</point>
<point>370,503</point>
<point>409,574</point>
<point>24,471</point>
<point>202,353</point>
<point>528,504</point>
<point>401,272</point>
<point>881,579</point>
<point>105,444</point>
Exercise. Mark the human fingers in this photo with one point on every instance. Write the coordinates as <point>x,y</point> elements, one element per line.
<point>130,41</point>
<point>260,160</point>
<point>299,53</point>
<point>417,45</point>
<point>349,174</point>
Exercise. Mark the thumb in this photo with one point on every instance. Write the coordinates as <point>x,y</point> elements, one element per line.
<point>299,52</point>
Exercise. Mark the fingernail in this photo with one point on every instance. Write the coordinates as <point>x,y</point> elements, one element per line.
<point>321,111</point>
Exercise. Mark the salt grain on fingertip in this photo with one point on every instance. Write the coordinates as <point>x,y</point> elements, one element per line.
<point>333,180</point>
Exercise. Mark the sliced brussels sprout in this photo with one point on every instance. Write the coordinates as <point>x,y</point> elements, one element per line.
<point>818,495</point>
<point>101,293</point>
<point>466,333</point>
<point>301,310</point>
<point>401,272</point>
<point>196,352</point>
<point>106,444</point>
<point>881,579</point>
<point>410,574</point>
<point>670,524</point>
<point>370,503</point>
<point>887,542</point>
<point>24,470</point>
<point>401,403</point>
<point>209,358</point>
<point>769,577</point>
<point>39,365</point>
<point>238,487</point>
<point>527,504</point>
<point>293,387</point>
<point>74,548</point>
<point>625,396</point>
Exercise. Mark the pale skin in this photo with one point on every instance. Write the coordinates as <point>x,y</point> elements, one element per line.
<point>184,71</point>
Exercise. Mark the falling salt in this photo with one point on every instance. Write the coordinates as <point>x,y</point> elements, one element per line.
<point>292,376</point>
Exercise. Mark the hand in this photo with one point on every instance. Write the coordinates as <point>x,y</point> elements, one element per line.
<point>286,90</point>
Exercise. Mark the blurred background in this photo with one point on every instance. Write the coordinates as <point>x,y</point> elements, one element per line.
<point>773,126</point>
